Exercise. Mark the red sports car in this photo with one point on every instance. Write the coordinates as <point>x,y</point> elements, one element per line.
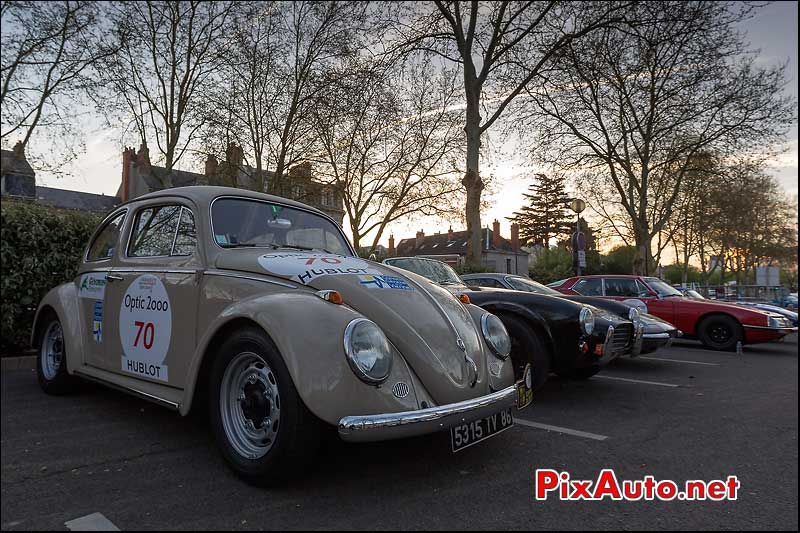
<point>717,325</point>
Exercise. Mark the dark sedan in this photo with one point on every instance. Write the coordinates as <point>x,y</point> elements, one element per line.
<point>656,333</point>
<point>552,334</point>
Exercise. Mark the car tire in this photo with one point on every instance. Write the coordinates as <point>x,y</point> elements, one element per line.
<point>51,361</point>
<point>266,433</point>
<point>527,347</point>
<point>719,332</point>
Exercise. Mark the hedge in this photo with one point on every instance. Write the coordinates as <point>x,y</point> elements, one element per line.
<point>40,247</point>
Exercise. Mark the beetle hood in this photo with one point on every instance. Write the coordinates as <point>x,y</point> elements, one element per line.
<point>422,320</point>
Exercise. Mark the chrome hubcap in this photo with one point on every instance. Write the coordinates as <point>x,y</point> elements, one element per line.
<point>52,350</point>
<point>250,405</point>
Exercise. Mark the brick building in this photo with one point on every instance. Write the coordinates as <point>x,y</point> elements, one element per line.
<point>498,254</point>
<point>140,177</point>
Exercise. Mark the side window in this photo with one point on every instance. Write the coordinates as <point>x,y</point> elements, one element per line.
<point>186,237</point>
<point>643,291</point>
<point>624,287</point>
<point>589,287</point>
<point>162,231</point>
<point>106,241</point>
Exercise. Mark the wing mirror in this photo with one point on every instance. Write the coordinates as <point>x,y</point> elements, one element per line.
<point>373,257</point>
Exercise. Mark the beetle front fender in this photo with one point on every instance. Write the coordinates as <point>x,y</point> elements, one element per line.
<point>309,335</point>
<point>63,300</point>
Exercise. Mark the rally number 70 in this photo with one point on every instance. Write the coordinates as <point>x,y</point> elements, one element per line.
<point>149,333</point>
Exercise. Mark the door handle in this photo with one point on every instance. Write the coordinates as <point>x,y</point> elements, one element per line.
<point>113,277</point>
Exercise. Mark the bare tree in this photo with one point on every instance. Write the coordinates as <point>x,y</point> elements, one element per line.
<point>49,54</point>
<point>501,48</point>
<point>169,51</point>
<point>316,35</point>
<point>637,103</point>
<point>389,145</point>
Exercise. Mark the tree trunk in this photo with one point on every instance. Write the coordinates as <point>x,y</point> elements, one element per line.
<point>472,179</point>
<point>642,258</point>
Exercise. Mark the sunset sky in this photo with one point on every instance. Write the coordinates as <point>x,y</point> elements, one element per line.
<point>773,31</point>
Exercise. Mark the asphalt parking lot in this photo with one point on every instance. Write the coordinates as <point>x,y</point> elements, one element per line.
<point>682,413</point>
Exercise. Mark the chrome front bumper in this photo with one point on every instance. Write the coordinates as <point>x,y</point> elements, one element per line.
<point>638,339</point>
<point>370,428</point>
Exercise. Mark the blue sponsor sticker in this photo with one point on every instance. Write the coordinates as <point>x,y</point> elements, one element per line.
<point>385,282</point>
<point>97,322</point>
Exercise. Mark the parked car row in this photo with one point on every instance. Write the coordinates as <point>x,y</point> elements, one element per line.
<point>257,310</point>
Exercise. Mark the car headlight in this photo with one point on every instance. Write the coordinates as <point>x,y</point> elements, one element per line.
<point>368,351</point>
<point>496,336</point>
<point>777,322</point>
<point>587,320</point>
<point>634,316</point>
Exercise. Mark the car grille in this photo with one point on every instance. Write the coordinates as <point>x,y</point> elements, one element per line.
<point>622,339</point>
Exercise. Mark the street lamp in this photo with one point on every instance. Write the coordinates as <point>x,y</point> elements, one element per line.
<point>577,205</point>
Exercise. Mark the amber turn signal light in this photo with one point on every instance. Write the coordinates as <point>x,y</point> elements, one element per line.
<point>464,299</point>
<point>333,297</point>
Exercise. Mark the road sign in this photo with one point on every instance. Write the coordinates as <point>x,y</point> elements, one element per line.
<point>581,259</point>
<point>579,241</point>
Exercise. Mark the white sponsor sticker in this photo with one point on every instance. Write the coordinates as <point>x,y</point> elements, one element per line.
<point>92,286</point>
<point>305,267</point>
<point>145,328</point>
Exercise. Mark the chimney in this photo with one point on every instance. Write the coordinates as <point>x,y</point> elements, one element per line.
<point>234,155</point>
<point>143,159</point>
<point>420,238</point>
<point>391,245</point>
<point>450,234</point>
<point>515,237</point>
<point>496,234</point>
<point>211,166</point>
<point>128,157</point>
<point>19,150</point>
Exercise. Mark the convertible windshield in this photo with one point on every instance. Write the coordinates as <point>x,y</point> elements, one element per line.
<point>528,285</point>
<point>239,222</point>
<point>433,270</point>
<point>663,289</point>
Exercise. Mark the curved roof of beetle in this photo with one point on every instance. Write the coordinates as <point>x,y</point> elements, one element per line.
<point>205,194</point>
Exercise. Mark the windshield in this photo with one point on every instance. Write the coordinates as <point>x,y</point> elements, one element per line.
<point>528,285</point>
<point>433,270</point>
<point>239,222</point>
<point>663,289</point>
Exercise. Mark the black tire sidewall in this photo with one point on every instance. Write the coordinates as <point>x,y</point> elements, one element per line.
<point>526,347</point>
<point>290,448</point>
<point>729,322</point>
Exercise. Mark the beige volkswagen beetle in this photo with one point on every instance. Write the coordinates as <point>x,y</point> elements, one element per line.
<point>260,305</point>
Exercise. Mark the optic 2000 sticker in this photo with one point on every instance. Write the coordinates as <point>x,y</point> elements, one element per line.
<point>145,328</point>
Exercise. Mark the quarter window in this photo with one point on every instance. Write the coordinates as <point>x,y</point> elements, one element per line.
<point>163,231</point>
<point>105,243</point>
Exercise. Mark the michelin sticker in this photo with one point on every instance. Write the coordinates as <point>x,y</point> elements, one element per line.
<point>97,321</point>
<point>92,286</point>
<point>145,328</point>
<point>385,282</point>
<point>305,267</point>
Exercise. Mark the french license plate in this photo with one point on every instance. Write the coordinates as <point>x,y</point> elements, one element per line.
<point>465,435</point>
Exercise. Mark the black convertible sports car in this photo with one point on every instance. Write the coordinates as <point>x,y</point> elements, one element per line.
<point>657,332</point>
<point>552,334</point>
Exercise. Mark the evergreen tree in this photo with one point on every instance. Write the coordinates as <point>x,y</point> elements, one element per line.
<point>546,215</point>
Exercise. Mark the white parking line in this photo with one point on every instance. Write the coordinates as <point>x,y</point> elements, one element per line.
<point>638,381</point>
<point>559,429</point>
<point>679,361</point>
<point>91,522</point>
